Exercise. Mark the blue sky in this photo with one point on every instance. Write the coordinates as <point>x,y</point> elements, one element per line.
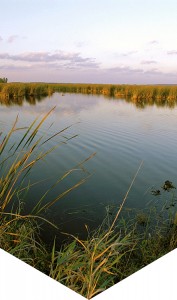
<point>95,41</point>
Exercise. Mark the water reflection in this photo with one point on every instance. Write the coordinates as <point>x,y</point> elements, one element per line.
<point>139,103</point>
<point>21,100</point>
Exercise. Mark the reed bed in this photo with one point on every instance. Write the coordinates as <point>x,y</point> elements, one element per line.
<point>140,94</point>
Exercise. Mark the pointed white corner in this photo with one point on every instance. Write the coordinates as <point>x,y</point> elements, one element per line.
<point>156,281</point>
<point>20,281</point>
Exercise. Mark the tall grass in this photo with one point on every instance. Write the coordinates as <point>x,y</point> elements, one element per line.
<point>90,266</point>
<point>140,94</point>
<point>19,233</point>
<point>115,250</point>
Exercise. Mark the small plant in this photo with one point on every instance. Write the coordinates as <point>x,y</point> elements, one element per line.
<point>167,186</point>
<point>142,219</point>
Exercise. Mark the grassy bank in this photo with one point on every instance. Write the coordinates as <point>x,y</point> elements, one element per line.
<point>140,94</point>
<point>120,246</point>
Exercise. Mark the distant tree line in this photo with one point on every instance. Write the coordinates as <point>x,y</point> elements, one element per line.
<point>3,80</point>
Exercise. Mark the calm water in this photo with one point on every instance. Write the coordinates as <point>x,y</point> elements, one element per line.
<point>121,134</point>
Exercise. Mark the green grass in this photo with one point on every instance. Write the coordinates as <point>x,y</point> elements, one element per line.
<point>90,266</point>
<point>120,246</point>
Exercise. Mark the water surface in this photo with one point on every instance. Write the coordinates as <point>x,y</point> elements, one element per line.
<point>121,134</point>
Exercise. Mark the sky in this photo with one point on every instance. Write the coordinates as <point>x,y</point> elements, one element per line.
<point>89,41</point>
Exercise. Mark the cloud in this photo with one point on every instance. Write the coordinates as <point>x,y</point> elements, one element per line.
<point>57,60</point>
<point>153,42</point>
<point>172,52</point>
<point>81,44</point>
<point>130,72</point>
<point>12,67</point>
<point>148,62</point>
<point>128,53</point>
<point>73,67</point>
<point>1,39</point>
<point>61,72</point>
<point>125,70</point>
<point>12,38</point>
<point>47,57</point>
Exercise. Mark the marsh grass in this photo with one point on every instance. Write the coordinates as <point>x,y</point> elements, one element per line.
<point>140,95</point>
<point>20,236</point>
<point>118,248</point>
<point>90,266</point>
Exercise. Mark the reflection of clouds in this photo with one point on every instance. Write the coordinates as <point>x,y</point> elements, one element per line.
<point>75,103</point>
<point>70,109</point>
<point>70,104</point>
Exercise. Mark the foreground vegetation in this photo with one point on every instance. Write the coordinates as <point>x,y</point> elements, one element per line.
<point>123,244</point>
<point>139,94</point>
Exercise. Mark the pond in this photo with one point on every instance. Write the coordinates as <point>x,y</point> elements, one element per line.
<point>121,134</point>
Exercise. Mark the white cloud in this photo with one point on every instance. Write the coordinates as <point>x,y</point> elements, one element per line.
<point>73,67</point>
<point>125,70</point>
<point>53,61</point>
<point>172,52</point>
<point>12,38</point>
<point>128,53</point>
<point>139,75</point>
<point>153,42</point>
<point>46,57</point>
<point>148,62</point>
<point>81,44</point>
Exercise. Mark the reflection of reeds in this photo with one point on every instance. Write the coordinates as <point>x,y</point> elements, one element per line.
<point>141,95</point>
